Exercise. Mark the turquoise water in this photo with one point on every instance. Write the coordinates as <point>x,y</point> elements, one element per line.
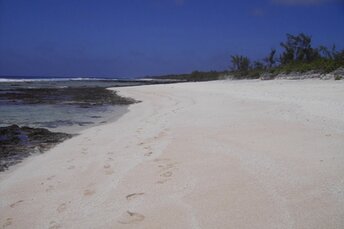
<point>60,118</point>
<point>68,119</point>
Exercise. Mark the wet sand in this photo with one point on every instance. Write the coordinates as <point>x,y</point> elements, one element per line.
<point>224,154</point>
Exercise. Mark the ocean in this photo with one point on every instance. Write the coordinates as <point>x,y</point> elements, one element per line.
<point>57,116</point>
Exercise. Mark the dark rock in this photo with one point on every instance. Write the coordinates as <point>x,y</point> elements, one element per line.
<point>95,116</point>
<point>83,96</point>
<point>57,123</point>
<point>17,143</point>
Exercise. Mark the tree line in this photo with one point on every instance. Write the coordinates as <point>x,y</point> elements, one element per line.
<point>297,55</point>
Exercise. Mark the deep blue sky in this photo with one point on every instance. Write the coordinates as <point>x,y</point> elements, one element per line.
<point>129,38</point>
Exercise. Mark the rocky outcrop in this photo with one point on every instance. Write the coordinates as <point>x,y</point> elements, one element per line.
<point>17,143</point>
<point>81,96</point>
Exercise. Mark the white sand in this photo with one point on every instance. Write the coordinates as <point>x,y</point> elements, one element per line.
<point>226,154</point>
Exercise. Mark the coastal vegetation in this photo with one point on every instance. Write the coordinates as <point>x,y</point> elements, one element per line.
<point>296,55</point>
<point>194,76</point>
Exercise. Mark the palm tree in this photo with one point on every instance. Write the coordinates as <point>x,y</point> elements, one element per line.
<point>270,60</point>
<point>240,63</point>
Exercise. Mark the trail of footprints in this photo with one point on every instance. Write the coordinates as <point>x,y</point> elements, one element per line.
<point>166,169</point>
<point>148,149</point>
<point>49,185</point>
<point>9,220</point>
<point>128,217</point>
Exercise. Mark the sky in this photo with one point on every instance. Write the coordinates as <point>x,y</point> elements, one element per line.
<point>134,38</point>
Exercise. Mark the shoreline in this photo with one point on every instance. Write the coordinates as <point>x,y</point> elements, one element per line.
<point>194,155</point>
<point>44,143</point>
<point>35,118</point>
<point>46,92</point>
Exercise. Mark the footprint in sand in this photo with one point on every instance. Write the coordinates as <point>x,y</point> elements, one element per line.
<point>161,159</point>
<point>134,195</point>
<point>71,167</point>
<point>162,181</point>
<point>51,177</point>
<point>89,192</point>
<point>167,166</point>
<point>165,169</point>
<point>167,174</point>
<point>7,223</point>
<point>108,170</point>
<point>61,208</point>
<point>16,203</point>
<point>50,188</point>
<point>131,217</point>
<point>160,135</point>
<point>54,225</point>
<point>84,150</point>
<point>148,154</point>
<point>69,161</point>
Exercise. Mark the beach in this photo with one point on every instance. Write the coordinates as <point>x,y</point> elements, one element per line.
<point>220,154</point>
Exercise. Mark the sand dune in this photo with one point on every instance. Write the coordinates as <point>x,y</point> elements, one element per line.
<point>225,154</point>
